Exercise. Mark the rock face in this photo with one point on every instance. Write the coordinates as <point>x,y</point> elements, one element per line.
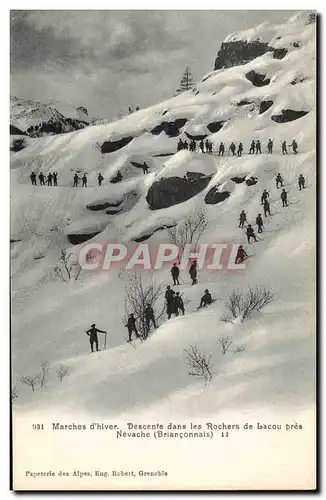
<point>76,239</point>
<point>173,190</point>
<point>264,106</point>
<point>288,115</point>
<point>172,129</point>
<point>239,52</point>
<point>215,126</point>
<point>97,206</point>
<point>214,196</point>
<point>111,146</point>
<point>251,181</point>
<point>16,131</point>
<point>238,180</point>
<point>257,79</point>
<point>196,137</point>
<point>145,237</point>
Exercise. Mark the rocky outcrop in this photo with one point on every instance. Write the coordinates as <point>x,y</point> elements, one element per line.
<point>238,180</point>
<point>16,131</point>
<point>214,127</point>
<point>145,237</point>
<point>76,239</point>
<point>264,106</point>
<point>200,137</point>
<point>251,181</point>
<point>172,129</point>
<point>239,52</point>
<point>288,115</point>
<point>174,190</point>
<point>111,146</point>
<point>257,79</point>
<point>214,196</point>
<point>163,154</point>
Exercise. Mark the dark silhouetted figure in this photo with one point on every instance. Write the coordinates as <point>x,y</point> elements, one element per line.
<point>250,233</point>
<point>129,110</point>
<point>264,196</point>
<point>201,145</point>
<point>267,210</point>
<point>84,179</point>
<point>284,198</point>
<point>193,272</point>
<point>210,147</point>
<point>241,255</point>
<point>178,304</point>
<point>33,178</point>
<point>179,145</point>
<point>221,149</point>
<point>270,146</point>
<point>207,145</point>
<point>169,297</point>
<point>301,182</point>
<point>252,148</point>
<point>175,271</point>
<point>284,149</point>
<point>232,148</point>
<point>193,146</point>
<point>279,180</point>
<point>259,222</point>
<point>131,325</point>
<point>76,179</point>
<point>100,179</point>
<point>118,177</point>
<point>137,108</point>
<point>145,168</point>
<point>206,299</point>
<point>294,146</point>
<point>92,333</point>
<point>242,218</point>
<point>149,317</point>
<point>49,179</point>
<point>55,178</point>
<point>240,149</point>
<point>41,179</point>
<point>258,147</point>
<point>185,145</point>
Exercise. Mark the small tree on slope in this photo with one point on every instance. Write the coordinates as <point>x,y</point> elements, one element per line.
<point>187,81</point>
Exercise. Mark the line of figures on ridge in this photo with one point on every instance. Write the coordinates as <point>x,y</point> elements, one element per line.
<point>255,147</point>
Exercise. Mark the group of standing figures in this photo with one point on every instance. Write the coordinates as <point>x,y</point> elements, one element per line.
<point>49,180</point>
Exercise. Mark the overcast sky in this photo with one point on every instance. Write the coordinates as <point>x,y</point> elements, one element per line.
<point>109,60</point>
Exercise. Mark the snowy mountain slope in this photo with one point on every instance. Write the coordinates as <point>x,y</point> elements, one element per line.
<point>27,115</point>
<point>277,367</point>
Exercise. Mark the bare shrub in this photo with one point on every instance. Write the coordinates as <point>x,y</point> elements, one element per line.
<point>241,305</point>
<point>199,363</point>
<point>62,372</point>
<point>14,392</point>
<point>67,269</point>
<point>30,380</point>
<point>225,343</point>
<point>139,293</point>
<point>45,368</point>
<point>240,348</point>
<point>189,230</point>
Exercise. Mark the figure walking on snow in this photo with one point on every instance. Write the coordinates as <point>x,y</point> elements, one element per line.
<point>221,149</point>
<point>175,271</point>
<point>76,179</point>
<point>178,304</point>
<point>250,233</point>
<point>270,146</point>
<point>284,149</point>
<point>100,179</point>
<point>242,218</point>
<point>33,178</point>
<point>150,317</point>
<point>201,145</point>
<point>169,298</point>
<point>92,333</point>
<point>259,222</point>
<point>145,167</point>
<point>267,210</point>
<point>232,148</point>
<point>264,196</point>
<point>258,147</point>
<point>294,146</point>
<point>205,300</point>
<point>207,145</point>
<point>301,182</point>
<point>55,178</point>
<point>193,272</point>
<point>240,149</point>
<point>279,180</point>
<point>284,198</point>
<point>252,148</point>
<point>84,180</point>
<point>41,179</point>
<point>49,179</point>
<point>131,325</point>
